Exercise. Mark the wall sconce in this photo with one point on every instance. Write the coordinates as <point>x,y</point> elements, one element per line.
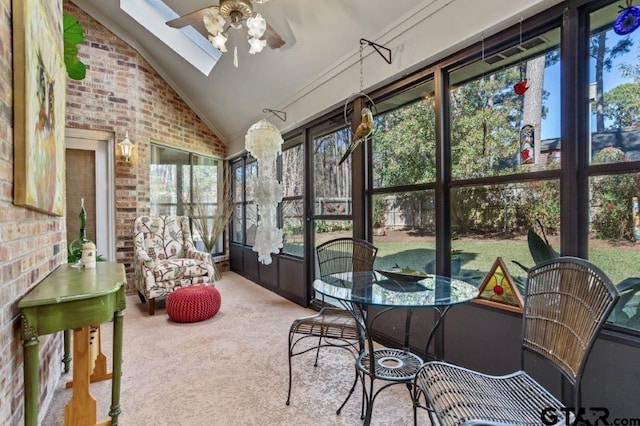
<point>126,147</point>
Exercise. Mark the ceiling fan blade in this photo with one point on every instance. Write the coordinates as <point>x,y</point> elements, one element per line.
<point>274,41</point>
<point>189,18</point>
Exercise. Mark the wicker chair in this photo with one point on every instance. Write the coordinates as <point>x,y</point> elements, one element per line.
<point>568,300</point>
<point>333,326</point>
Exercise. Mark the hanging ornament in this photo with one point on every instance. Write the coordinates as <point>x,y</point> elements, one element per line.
<point>521,87</point>
<point>366,127</point>
<point>628,20</point>
<point>526,144</point>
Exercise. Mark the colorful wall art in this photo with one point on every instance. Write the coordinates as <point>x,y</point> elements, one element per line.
<point>39,107</point>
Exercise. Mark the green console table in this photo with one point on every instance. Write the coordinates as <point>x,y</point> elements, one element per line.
<point>74,299</point>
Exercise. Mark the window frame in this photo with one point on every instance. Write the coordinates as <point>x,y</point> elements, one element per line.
<point>180,209</point>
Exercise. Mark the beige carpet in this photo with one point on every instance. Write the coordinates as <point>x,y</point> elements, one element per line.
<point>229,370</point>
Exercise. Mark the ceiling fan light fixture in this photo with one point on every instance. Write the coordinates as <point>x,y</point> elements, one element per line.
<point>213,21</point>
<point>256,26</point>
<point>219,41</point>
<point>235,19</point>
<point>256,45</point>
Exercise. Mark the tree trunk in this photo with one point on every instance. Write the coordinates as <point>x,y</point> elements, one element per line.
<point>600,52</point>
<point>532,110</point>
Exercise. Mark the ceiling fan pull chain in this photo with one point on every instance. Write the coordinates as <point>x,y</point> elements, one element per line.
<point>235,56</point>
<point>235,49</point>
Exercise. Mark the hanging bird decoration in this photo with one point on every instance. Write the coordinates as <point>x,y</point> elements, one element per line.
<point>364,130</point>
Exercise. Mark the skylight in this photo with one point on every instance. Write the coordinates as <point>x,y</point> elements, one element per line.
<point>186,42</point>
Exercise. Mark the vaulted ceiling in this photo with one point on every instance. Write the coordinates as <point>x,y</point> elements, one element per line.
<point>318,67</point>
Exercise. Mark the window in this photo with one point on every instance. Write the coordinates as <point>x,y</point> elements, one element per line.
<point>404,148</point>
<point>404,171</point>
<point>332,186</point>
<point>498,127</point>
<point>245,220</point>
<point>614,108</point>
<point>491,221</point>
<point>179,178</point>
<point>251,208</point>
<point>293,193</point>
<point>505,129</point>
<point>237,221</point>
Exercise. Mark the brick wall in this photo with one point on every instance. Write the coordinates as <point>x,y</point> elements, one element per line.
<point>122,92</point>
<point>32,245</point>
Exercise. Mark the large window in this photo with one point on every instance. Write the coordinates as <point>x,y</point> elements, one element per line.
<point>505,130</point>
<point>614,135</point>
<point>237,221</point>
<point>245,218</point>
<point>184,183</point>
<point>291,218</point>
<point>404,171</point>
<point>293,193</point>
<point>251,208</point>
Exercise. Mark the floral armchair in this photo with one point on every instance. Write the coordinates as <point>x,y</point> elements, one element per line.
<point>166,259</point>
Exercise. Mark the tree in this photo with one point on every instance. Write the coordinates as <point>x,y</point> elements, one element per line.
<point>604,57</point>
<point>404,145</point>
<point>621,106</point>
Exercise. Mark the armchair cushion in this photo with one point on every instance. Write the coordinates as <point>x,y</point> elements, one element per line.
<point>178,269</point>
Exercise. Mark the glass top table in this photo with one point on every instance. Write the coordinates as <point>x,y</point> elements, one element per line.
<point>372,288</point>
<point>355,291</point>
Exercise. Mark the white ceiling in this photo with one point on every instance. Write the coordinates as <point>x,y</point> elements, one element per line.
<point>318,66</point>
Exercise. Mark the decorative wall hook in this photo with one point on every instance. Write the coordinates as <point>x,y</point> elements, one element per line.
<point>280,114</point>
<point>386,55</point>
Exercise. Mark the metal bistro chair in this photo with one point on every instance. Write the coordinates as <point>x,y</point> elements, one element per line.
<point>567,302</point>
<point>333,326</point>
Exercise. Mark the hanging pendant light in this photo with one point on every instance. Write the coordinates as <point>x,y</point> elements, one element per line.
<point>264,142</point>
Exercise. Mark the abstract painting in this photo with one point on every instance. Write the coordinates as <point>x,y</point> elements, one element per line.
<point>39,106</point>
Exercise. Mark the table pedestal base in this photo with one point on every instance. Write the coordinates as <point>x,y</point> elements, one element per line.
<point>99,360</point>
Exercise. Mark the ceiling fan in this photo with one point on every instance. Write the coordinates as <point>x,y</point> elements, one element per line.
<point>233,14</point>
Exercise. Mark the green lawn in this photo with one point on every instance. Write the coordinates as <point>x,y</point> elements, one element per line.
<point>478,256</point>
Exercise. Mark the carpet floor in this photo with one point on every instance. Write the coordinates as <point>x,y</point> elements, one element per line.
<point>229,370</point>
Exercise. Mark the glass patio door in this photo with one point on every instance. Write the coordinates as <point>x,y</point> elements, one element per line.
<point>329,212</point>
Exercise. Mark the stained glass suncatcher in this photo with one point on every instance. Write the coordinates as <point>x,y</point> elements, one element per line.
<point>498,289</point>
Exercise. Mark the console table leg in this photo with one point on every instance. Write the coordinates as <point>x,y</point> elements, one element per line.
<point>31,381</point>
<point>118,322</point>
<point>66,359</point>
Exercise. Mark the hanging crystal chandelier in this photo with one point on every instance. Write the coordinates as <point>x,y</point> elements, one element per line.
<point>264,142</point>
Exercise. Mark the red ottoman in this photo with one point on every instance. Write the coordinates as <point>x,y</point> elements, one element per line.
<point>194,303</point>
